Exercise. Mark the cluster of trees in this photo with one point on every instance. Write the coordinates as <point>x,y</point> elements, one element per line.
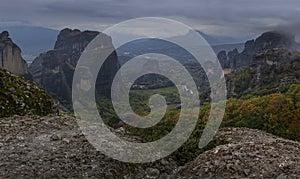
<point>277,113</point>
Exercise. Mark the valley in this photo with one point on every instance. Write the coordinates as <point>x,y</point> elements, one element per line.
<point>259,135</point>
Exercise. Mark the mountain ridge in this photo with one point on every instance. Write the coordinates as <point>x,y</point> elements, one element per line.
<point>268,40</point>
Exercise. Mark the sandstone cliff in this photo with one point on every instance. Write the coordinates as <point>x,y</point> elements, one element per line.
<point>10,56</point>
<point>54,69</point>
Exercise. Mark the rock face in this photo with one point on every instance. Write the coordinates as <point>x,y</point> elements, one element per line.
<point>54,69</point>
<point>271,71</point>
<point>21,97</point>
<point>267,41</point>
<point>10,56</point>
<point>267,65</point>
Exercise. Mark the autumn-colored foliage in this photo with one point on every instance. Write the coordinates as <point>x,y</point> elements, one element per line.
<point>277,113</point>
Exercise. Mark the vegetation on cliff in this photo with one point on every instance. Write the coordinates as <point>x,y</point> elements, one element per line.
<point>21,97</point>
<point>272,71</point>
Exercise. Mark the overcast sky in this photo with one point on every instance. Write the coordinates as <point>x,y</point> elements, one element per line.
<point>243,18</point>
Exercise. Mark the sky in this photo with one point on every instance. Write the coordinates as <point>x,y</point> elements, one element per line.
<point>237,18</point>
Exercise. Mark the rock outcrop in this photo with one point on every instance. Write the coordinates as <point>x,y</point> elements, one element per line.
<point>22,97</point>
<point>249,154</point>
<point>267,41</point>
<point>54,147</point>
<point>10,56</point>
<point>271,71</point>
<point>54,69</point>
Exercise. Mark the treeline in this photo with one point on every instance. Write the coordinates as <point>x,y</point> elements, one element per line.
<point>277,113</point>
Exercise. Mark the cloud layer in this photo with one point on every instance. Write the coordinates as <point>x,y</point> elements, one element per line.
<point>243,18</point>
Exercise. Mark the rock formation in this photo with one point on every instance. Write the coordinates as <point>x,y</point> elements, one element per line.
<point>267,41</point>
<point>270,71</point>
<point>10,56</point>
<point>54,147</point>
<point>249,154</point>
<point>54,69</point>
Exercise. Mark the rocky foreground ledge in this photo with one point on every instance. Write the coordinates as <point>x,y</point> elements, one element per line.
<point>249,154</point>
<point>53,146</point>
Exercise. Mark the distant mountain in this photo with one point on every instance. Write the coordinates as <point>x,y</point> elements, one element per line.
<point>35,40</point>
<point>142,46</point>
<point>138,47</point>
<point>228,47</point>
<point>216,40</point>
<point>32,40</point>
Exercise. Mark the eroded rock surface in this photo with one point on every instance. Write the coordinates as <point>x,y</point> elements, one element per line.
<point>53,146</point>
<point>249,154</point>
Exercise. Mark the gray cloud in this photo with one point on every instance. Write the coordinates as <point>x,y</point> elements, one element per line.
<point>243,18</point>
